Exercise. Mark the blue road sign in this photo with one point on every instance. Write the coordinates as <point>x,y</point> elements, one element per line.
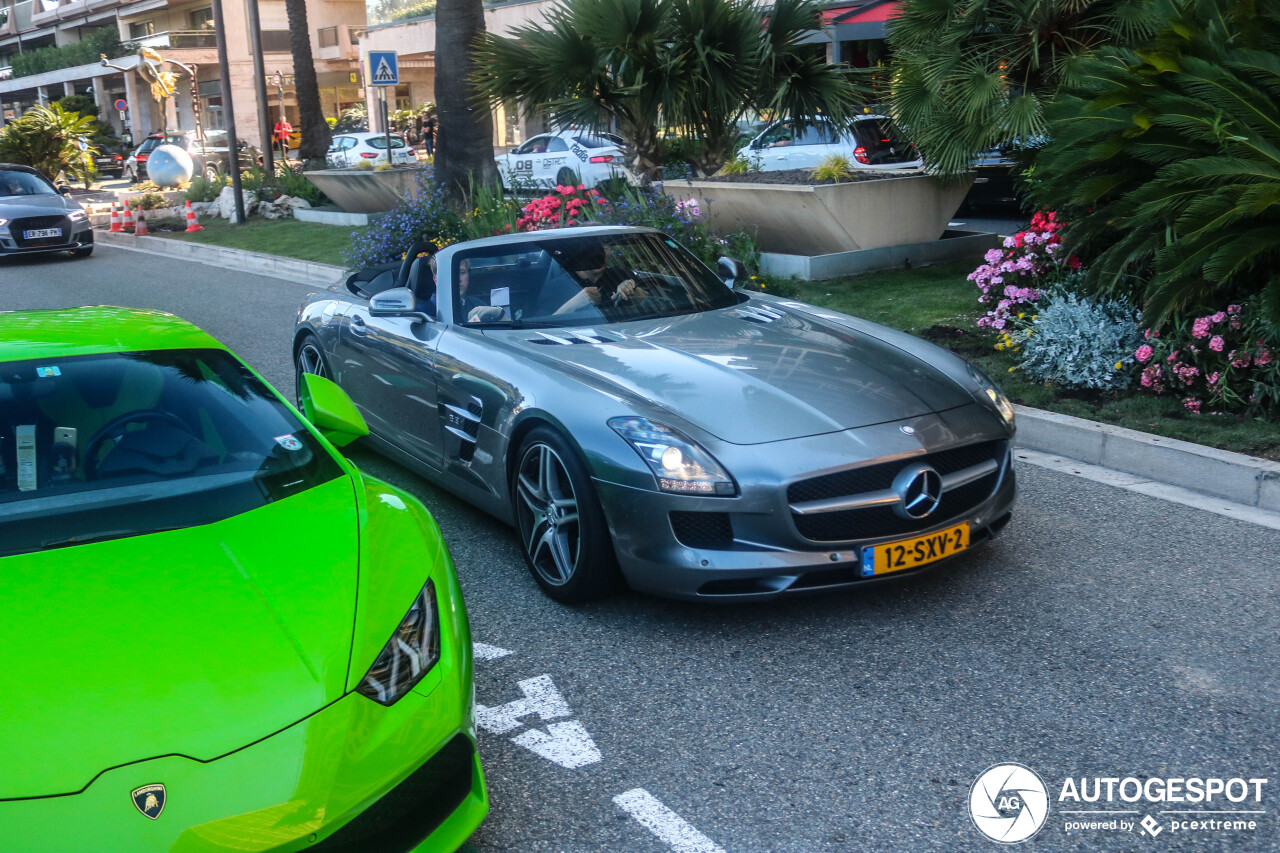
<point>384,68</point>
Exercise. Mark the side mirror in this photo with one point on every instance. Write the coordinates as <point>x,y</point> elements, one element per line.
<point>396,302</point>
<point>330,410</point>
<point>511,150</point>
<point>64,189</point>
<point>731,271</point>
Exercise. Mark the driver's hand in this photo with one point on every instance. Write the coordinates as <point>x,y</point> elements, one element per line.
<point>630,291</point>
<point>485,314</point>
<point>592,294</point>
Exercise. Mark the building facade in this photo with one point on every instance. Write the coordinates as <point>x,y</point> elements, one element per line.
<point>62,35</point>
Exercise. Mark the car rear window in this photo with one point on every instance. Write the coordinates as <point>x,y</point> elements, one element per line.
<point>881,145</point>
<point>380,142</point>
<point>122,444</point>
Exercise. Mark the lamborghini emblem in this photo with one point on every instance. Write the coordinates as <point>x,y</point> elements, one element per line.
<point>149,800</point>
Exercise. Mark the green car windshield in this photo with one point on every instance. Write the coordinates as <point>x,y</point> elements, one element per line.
<point>105,446</point>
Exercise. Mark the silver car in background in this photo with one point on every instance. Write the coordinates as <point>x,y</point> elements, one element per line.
<point>626,408</point>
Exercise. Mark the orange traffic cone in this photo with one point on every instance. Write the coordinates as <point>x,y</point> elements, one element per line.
<point>128,217</point>
<point>116,227</point>
<point>192,224</point>
<point>141,230</point>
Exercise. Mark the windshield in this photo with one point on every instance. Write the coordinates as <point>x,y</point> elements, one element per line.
<point>105,446</point>
<point>24,183</point>
<point>584,281</point>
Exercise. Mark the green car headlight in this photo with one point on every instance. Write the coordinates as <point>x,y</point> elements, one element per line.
<point>678,462</point>
<point>993,394</point>
<point>410,653</point>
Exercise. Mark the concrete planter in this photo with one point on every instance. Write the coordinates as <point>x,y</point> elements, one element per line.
<point>357,191</point>
<point>830,218</point>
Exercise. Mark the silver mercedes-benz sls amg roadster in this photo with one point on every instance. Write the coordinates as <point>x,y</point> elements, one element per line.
<point>635,416</point>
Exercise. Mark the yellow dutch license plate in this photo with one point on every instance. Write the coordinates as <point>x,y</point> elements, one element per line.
<point>910,553</point>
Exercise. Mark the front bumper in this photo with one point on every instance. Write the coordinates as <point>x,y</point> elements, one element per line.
<point>758,551</point>
<point>81,237</point>
<point>355,776</point>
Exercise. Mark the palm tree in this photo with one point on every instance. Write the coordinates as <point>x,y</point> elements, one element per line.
<point>314,129</point>
<point>970,74</point>
<point>1174,149</point>
<point>692,66</point>
<point>46,139</point>
<point>464,128</point>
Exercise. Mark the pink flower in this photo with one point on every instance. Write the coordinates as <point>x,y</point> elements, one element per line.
<point>1219,317</point>
<point>1144,353</point>
<point>1264,357</point>
<point>1192,404</point>
<point>1216,343</point>
<point>1200,328</point>
<point>1214,377</point>
<point>1233,309</point>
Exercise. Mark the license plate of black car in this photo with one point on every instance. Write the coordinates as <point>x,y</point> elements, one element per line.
<point>37,233</point>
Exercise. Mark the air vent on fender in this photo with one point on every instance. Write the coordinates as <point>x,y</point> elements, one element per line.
<point>760,314</point>
<point>568,339</point>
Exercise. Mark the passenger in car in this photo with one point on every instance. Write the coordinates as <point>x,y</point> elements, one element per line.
<point>602,285</point>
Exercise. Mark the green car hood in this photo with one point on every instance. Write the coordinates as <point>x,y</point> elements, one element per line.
<point>192,642</point>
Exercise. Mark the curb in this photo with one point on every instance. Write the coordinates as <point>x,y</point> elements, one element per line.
<point>290,269</point>
<point>1234,477</point>
<point>1244,480</point>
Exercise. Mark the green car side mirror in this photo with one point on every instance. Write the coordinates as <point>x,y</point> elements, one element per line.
<point>330,410</point>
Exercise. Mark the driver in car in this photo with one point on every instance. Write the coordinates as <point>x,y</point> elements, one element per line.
<point>604,286</point>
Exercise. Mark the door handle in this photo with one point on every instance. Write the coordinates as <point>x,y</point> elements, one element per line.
<point>358,327</point>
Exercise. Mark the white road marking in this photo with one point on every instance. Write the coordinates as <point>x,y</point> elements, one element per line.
<point>568,744</point>
<point>673,830</point>
<point>1151,488</point>
<point>540,697</point>
<point>483,651</point>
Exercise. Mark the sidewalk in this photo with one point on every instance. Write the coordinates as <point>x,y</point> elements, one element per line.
<point>1229,484</point>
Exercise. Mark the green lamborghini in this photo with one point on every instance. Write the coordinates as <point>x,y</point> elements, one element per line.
<point>217,634</point>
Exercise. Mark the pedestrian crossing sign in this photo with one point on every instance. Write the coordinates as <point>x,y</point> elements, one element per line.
<point>384,69</point>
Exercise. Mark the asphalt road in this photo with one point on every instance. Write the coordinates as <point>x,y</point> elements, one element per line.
<point>1106,634</point>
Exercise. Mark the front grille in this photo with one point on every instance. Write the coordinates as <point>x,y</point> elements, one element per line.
<point>874,522</point>
<point>412,810</point>
<point>702,529</point>
<point>30,223</point>
<point>873,478</point>
<point>880,521</point>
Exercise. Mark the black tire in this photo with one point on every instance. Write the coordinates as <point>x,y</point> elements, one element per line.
<point>211,173</point>
<point>566,177</point>
<point>82,253</point>
<point>563,532</point>
<point>308,357</point>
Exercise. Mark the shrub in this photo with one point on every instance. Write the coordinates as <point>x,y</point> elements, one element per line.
<point>201,189</point>
<point>299,185</point>
<point>1225,361</point>
<point>423,214</point>
<point>363,166</point>
<point>151,201</point>
<point>491,213</point>
<point>567,205</point>
<point>1078,342</point>
<point>736,166</point>
<point>834,168</point>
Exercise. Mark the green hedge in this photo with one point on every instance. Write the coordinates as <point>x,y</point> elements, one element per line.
<point>87,50</point>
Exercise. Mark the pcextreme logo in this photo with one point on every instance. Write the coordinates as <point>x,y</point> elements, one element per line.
<point>1010,803</point>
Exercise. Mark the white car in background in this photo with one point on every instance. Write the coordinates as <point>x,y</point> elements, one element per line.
<point>869,145</point>
<point>569,157</point>
<point>348,149</point>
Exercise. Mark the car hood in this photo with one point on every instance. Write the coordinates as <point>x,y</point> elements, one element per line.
<point>190,642</point>
<point>11,207</point>
<point>752,374</point>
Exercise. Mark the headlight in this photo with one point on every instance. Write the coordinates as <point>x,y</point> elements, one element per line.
<point>3,222</point>
<point>77,215</point>
<point>678,462</point>
<point>988,389</point>
<point>410,653</point>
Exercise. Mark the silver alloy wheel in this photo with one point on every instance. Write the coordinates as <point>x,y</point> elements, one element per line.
<point>548,513</point>
<point>311,360</point>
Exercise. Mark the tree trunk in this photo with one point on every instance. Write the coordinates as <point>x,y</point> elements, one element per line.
<point>464,125</point>
<point>314,129</point>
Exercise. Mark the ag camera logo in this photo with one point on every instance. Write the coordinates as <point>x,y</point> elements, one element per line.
<point>1009,803</point>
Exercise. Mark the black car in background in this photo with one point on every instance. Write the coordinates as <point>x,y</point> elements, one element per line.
<point>36,217</point>
<point>210,157</point>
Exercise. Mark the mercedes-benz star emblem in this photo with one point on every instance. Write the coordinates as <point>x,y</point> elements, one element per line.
<point>919,489</point>
<point>907,430</point>
<point>149,800</point>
